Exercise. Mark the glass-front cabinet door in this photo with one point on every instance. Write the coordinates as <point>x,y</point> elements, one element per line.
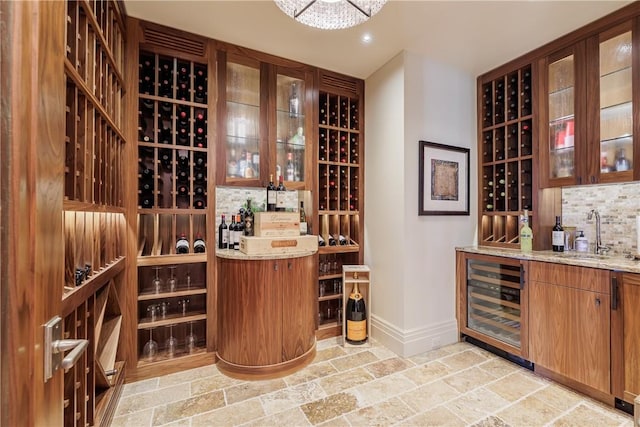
<point>291,129</point>
<point>614,142</point>
<point>242,127</point>
<point>564,143</point>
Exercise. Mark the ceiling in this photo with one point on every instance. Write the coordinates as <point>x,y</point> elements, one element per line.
<point>473,35</point>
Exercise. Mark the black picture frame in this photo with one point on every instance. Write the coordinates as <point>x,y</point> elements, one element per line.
<point>444,188</point>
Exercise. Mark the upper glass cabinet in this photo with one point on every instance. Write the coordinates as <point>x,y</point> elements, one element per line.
<point>242,122</point>
<point>290,128</point>
<point>616,112</point>
<point>562,156</point>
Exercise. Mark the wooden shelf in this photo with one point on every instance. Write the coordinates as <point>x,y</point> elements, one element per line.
<point>324,250</point>
<point>147,261</point>
<point>330,297</point>
<point>179,293</point>
<point>171,320</point>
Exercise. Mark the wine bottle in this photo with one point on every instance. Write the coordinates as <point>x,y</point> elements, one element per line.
<point>526,234</point>
<point>356,315</point>
<point>232,233</point>
<point>280,195</point>
<point>248,219</point>
<point>239,230</point>
<point>271,195</point>
<point>182,245</point>
<point>223,234</point>
<point>557,237</point>
<point>198,245</point>
<point>294,102</point>
<point>290,167</point>
<point>303,220</point>
<point>332,241</point>
<point>342,240</point>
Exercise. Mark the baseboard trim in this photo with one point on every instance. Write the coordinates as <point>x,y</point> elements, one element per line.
<point>410,342</point>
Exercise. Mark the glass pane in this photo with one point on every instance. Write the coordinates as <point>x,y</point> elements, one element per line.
<point>616,115</point>
<point>561,118</point>
<point>290,130</point>
<point>243,121</point>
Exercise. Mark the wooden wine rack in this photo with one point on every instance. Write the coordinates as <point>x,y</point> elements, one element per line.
<point>94,225</point>
<point>505,155</point>
<point>340,181</point>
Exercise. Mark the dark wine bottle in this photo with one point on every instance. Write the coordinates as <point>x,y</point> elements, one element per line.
<point>223,234</point>
<point>332,241</point>
<point>557,237</point>
<point>248,219</point>
<point>356,315</point>
<point>321,241</point>
<point>239,232</point>
<point>198,245</point>
<point>182,245</point>
<point>280,195</point>
<point>271,195</point>
<point>232,233</point>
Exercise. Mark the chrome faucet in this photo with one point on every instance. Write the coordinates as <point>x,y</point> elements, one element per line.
<point>599,248</point>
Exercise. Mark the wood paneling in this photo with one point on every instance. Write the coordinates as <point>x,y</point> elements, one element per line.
<point>631,326</point>
<point>299,298</point>
<point>587,279</point>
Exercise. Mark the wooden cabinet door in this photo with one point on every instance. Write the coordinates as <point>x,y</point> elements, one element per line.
<point>570,333</point>
<point>298,305</point>
<point>251,308</point>
<point>631,340</point>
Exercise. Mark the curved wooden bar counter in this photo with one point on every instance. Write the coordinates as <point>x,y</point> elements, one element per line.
<point>266,313</point>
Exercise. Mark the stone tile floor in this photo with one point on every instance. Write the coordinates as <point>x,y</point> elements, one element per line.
<point>456,385</point>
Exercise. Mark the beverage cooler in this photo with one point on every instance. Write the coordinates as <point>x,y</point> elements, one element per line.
<point>494,302</point>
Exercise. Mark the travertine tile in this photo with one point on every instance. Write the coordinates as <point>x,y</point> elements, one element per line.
<point>439,416</point>
<point>291,397</point>
<point>388,367</point>
<point>491,421</point>
<point>529,412</point>
<point>427,373</point>
<point>429,356</point>
<point>329,407</point>
<point>458,347</point>
<point>329,342</point>
<point>582,416</point>
<point>328,354</point>
<point>188,407</point>
<point>476,405</point>
<point>188,376</point>
<point>341,421</point>
<point>384,413</point>
<point>382,352</point>
<point>463,360</point>
<point>469,379</point>
<point>209,384</point>
<point>429,395</point>
<point>344,380</point>
<point>353,360</point>
<point>140,401</point>
<point>499,367</point>
<point>290,417</point>
<point>138,419</point>
<point>381,389</point>
<point>310,373</point>
<point>514,386</point>
<point>240,413</point>
<point>558,396</point>
<point>251,389</point>
<point>140,387</point>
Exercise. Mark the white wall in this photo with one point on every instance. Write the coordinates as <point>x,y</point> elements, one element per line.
<point>413,307</point>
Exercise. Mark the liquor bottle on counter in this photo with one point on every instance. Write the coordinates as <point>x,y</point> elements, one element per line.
<point>182,245</point>
<point>271,195</point>
<point>303,220</point>
<point>239,230</point>
<point>248,219</point>
<point>526,234</point>
<point>223,234</point>
<point>557,236</point>
<point>356,315</point>
<point>198,245</point>
<point>280,195</point>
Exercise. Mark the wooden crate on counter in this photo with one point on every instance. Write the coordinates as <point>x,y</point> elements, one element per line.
<point>276,224</point>
<point>252,245</point>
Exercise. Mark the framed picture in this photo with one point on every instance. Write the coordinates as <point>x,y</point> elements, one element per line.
<point>444,179</point>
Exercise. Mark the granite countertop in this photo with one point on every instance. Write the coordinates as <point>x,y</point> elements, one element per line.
<point>581,259</point>
<point>233,254</point>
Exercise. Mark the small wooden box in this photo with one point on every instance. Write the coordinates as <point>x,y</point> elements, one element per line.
<point>276,224</point>
<point>252,245</point>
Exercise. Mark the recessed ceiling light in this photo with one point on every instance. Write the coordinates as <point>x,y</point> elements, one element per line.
<point>366,38</point>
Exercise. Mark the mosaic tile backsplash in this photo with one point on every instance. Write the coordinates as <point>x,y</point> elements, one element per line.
<point>618,206</point>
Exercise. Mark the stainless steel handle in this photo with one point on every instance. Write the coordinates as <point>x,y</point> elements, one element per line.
<point>78,346</point>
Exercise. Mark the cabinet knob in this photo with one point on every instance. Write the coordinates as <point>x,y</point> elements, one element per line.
<point>290,266</point>
<point>275,266</point>
<point>597,302</point>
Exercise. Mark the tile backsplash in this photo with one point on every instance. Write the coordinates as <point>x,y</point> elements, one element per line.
<point>618,206</point>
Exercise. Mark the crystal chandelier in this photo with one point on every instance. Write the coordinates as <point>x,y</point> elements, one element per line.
<point>330,14</point>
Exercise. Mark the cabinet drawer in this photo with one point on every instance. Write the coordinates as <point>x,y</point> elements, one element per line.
<point>587,279</point>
